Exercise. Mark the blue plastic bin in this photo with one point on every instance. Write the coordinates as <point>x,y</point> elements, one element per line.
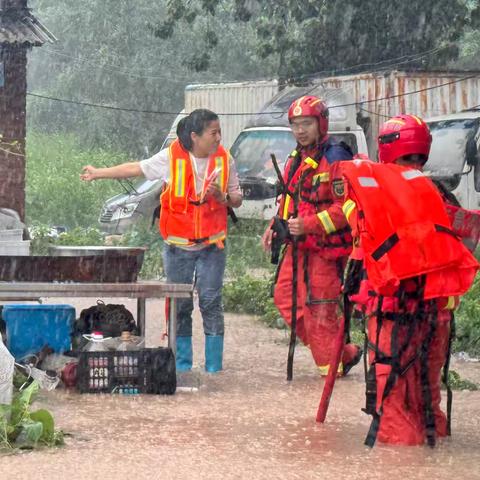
<point>32,327</point>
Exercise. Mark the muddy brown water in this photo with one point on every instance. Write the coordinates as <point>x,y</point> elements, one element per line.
<point>244,423</point>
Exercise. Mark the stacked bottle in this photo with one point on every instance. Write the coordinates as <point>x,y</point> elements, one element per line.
<point>98,364</point>
<point>126,364</point>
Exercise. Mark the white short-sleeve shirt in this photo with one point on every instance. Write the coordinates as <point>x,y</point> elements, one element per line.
<point>157,167</point>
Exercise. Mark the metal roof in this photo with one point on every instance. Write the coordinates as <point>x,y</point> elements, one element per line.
<point>19,26</point>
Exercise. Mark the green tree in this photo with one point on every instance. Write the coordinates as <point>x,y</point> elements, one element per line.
<point>308,36</point>
<point>107,54</point>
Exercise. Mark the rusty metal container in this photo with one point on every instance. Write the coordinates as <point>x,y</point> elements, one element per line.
<point>392,92</point>
<point>75,264</point>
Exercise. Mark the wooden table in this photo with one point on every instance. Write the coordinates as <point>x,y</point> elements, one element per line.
<point>28,291</point>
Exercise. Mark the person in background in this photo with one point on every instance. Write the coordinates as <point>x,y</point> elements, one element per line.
<point>201,183</point>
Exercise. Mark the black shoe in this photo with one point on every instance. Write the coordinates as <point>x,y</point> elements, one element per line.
<point>348,366</point>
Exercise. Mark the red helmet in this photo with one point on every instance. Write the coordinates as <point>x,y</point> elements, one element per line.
<point>310,106</point>
<point>403,135</point>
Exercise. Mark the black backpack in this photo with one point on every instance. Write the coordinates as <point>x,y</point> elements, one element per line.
<point>110,319</point>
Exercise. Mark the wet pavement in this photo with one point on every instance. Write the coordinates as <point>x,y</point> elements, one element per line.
<point>246,422</point>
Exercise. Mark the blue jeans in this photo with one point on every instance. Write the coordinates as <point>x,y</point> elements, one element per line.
<point>206,267</point>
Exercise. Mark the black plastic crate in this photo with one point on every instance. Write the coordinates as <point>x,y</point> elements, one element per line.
<point>150,370</point>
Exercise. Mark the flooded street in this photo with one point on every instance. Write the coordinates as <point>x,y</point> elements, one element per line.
<point>244,423</point>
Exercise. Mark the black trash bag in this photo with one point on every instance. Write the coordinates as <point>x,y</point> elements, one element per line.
<point>110,319</point>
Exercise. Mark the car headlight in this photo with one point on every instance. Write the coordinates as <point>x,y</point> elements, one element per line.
<point>124,211</point>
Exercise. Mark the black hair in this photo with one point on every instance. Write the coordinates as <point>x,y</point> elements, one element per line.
<point>195,122</point>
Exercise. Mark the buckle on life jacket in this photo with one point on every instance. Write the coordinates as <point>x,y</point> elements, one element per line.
<point>371,391</point>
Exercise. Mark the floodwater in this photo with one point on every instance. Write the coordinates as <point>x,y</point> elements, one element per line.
<point>244,423</point>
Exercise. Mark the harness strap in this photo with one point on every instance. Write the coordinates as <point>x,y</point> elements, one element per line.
<point>393,239</point>
<point>391,380</point>
<point>445,380</point>
<point>387,245</point>
<point>394,360</point>
<point>441,228</point>
<point>426,391</point>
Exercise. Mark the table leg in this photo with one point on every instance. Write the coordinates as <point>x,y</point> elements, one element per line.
<point>141,315</point>
<point>172,326</point>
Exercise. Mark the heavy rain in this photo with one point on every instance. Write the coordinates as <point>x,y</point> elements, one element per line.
<point>159,157</point>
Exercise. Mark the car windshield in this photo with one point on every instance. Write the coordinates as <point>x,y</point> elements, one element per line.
<point>252,149</point>
<point>449,139</point>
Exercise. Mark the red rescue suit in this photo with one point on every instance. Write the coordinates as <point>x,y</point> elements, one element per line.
<point>409,325</point>
<point>322,253</point>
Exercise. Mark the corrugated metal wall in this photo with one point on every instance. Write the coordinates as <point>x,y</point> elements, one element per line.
<point>224,98</point>
<point>435,101</point>
<point>249,97</point>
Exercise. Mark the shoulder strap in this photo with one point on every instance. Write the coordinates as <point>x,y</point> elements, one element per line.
<point>335,151</point>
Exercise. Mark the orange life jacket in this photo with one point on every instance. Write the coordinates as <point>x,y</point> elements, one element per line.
<point>186,218</point>
<point>404,230</point>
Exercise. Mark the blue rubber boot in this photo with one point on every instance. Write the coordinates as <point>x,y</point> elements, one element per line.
<point>213,353</point>
<point>183,359</point>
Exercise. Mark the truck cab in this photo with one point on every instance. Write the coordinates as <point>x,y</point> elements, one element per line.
<point>269,132</point>
<point>454,159</point>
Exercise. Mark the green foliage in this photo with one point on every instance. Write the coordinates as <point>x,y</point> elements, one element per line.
<point>143,235</point>
<point>42,238</point>
<point>458,383</point>
<point>244,254</point>
<point>251,295</point>
<point>467,320</point>
<point>246,295</point>
<point>81,236</point>
<point>21,428</point>
<point>54,193</point>
<point>112,52</point>
<point>247,227</point>
<point>305,36</point>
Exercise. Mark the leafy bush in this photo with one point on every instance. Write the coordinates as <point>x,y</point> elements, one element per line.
<point>458,383</point>
<point>251,295</point>
<point>80,236</point>
<point>467,320</point>
<point>54,193</point>
<point>245,253</point>
<point>21,428</point>
<point>42,238</point>
<point>143,235</point>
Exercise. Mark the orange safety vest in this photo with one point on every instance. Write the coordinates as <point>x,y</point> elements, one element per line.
<point>186,218</point>
<point>404,230</point>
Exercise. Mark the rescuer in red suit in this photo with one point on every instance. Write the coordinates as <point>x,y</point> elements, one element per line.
<point>408,330</point>
<point>324,239</point>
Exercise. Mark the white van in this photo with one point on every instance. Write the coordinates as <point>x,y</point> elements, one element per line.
<point>454,158</point>
<point>269,132</point>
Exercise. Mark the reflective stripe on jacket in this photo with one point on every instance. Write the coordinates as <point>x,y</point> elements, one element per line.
<point>186,217</point>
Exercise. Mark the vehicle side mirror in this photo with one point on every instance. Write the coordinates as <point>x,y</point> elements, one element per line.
<point>471,152</point>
